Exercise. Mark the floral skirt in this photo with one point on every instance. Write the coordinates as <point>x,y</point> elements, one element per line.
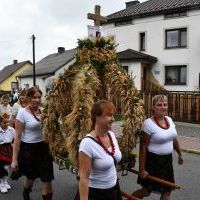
<point>159,166</point>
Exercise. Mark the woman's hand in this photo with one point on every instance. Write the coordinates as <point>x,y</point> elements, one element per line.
<point>180,159</point>
<point>85,163</point>
<point>12,122</point>
<point>14,165</point>
<point>143,174</point>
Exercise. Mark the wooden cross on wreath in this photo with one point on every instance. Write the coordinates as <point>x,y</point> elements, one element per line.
<point>98,19</point>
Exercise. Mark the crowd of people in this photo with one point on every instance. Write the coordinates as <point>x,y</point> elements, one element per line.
<point>24,151</point>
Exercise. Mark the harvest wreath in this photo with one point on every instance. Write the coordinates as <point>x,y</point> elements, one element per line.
<point>96,74</point>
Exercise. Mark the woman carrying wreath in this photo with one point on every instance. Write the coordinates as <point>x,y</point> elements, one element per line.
<point>158,141</point>
<point>98,154</point>
<point>31,156</point>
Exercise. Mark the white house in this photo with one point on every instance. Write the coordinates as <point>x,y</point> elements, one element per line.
<point>47,69</point>
<point>167,30</point>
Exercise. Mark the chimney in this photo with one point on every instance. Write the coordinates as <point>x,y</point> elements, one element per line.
<point>131,3</point>
<point>15,62</point>
<point>61,49</point>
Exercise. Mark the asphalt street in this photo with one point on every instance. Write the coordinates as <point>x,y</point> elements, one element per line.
<point>65,184</point>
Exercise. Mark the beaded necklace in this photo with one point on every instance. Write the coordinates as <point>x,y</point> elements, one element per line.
<point>157,122</point>
<point>34,115</point>
<point>103,146</point>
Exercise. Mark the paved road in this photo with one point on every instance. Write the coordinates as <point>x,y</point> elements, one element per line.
<point>187,175</point>
<point>65,183</point>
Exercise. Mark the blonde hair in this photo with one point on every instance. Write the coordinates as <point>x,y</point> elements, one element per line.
<point>158,98</point>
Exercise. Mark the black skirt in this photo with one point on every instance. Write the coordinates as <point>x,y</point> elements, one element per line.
<point>113,193</point>
<point>159,166</point>
<point>35,161</point>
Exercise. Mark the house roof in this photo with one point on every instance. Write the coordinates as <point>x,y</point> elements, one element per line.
<point>50,64</point>
<point>10,69</point>
<point>153,7</point>
<point>130,54</point>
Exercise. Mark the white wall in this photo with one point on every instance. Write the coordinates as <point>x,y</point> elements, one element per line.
<point>40,81</point>
<point>128,37</point>
<point>49,80</point>
<point>62,69</point>
<point>134,69</point>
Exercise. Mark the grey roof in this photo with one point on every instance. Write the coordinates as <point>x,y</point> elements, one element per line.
<point>50,64</point>
<point>10,69</point>
<point>153,7</point>
<point>132,55</point>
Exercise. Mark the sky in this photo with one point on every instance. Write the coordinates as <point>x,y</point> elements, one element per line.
<point>55,23</point>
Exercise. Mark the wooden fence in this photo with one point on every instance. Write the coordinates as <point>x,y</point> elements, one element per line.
<point>183,106</point>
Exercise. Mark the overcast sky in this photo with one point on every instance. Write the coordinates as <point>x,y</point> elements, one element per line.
<point>55,23</point>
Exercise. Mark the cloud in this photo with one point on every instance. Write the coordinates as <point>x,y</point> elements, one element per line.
<point>54,23</point>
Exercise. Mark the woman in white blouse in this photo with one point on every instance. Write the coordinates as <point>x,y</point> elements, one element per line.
<point>157,143</point>
<point>30,152</point>
<point>98,154</point>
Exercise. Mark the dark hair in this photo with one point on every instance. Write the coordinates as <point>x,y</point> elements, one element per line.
<point>5,96</point>
<point>99,108</point>
<point>32,91</point>
<point>23,92</point>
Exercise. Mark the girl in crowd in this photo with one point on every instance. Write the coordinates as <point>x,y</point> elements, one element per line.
<point>30,153</point>
<point>6,138</point>
<point>5,106</point>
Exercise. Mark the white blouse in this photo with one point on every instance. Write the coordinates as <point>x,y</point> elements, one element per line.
<point>7,136</point>
<point>161,141</point>
<point>103,172</point>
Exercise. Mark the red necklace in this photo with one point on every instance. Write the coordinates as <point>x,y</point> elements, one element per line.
<point>157,122</point>
<point>112,145</point>
<point>34,115</point>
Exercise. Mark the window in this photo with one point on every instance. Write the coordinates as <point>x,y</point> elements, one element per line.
<point>126,69</point>
<point>177,14</point>
<point>14,86</point>
<point>122,23</point>
<point>176,75</point>
<point>142,41</point>
<point>26,86</point>
<point>176,38</point>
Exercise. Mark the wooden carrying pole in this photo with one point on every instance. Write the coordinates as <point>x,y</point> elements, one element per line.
<point>129,196</point>
<point>153,178</point>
